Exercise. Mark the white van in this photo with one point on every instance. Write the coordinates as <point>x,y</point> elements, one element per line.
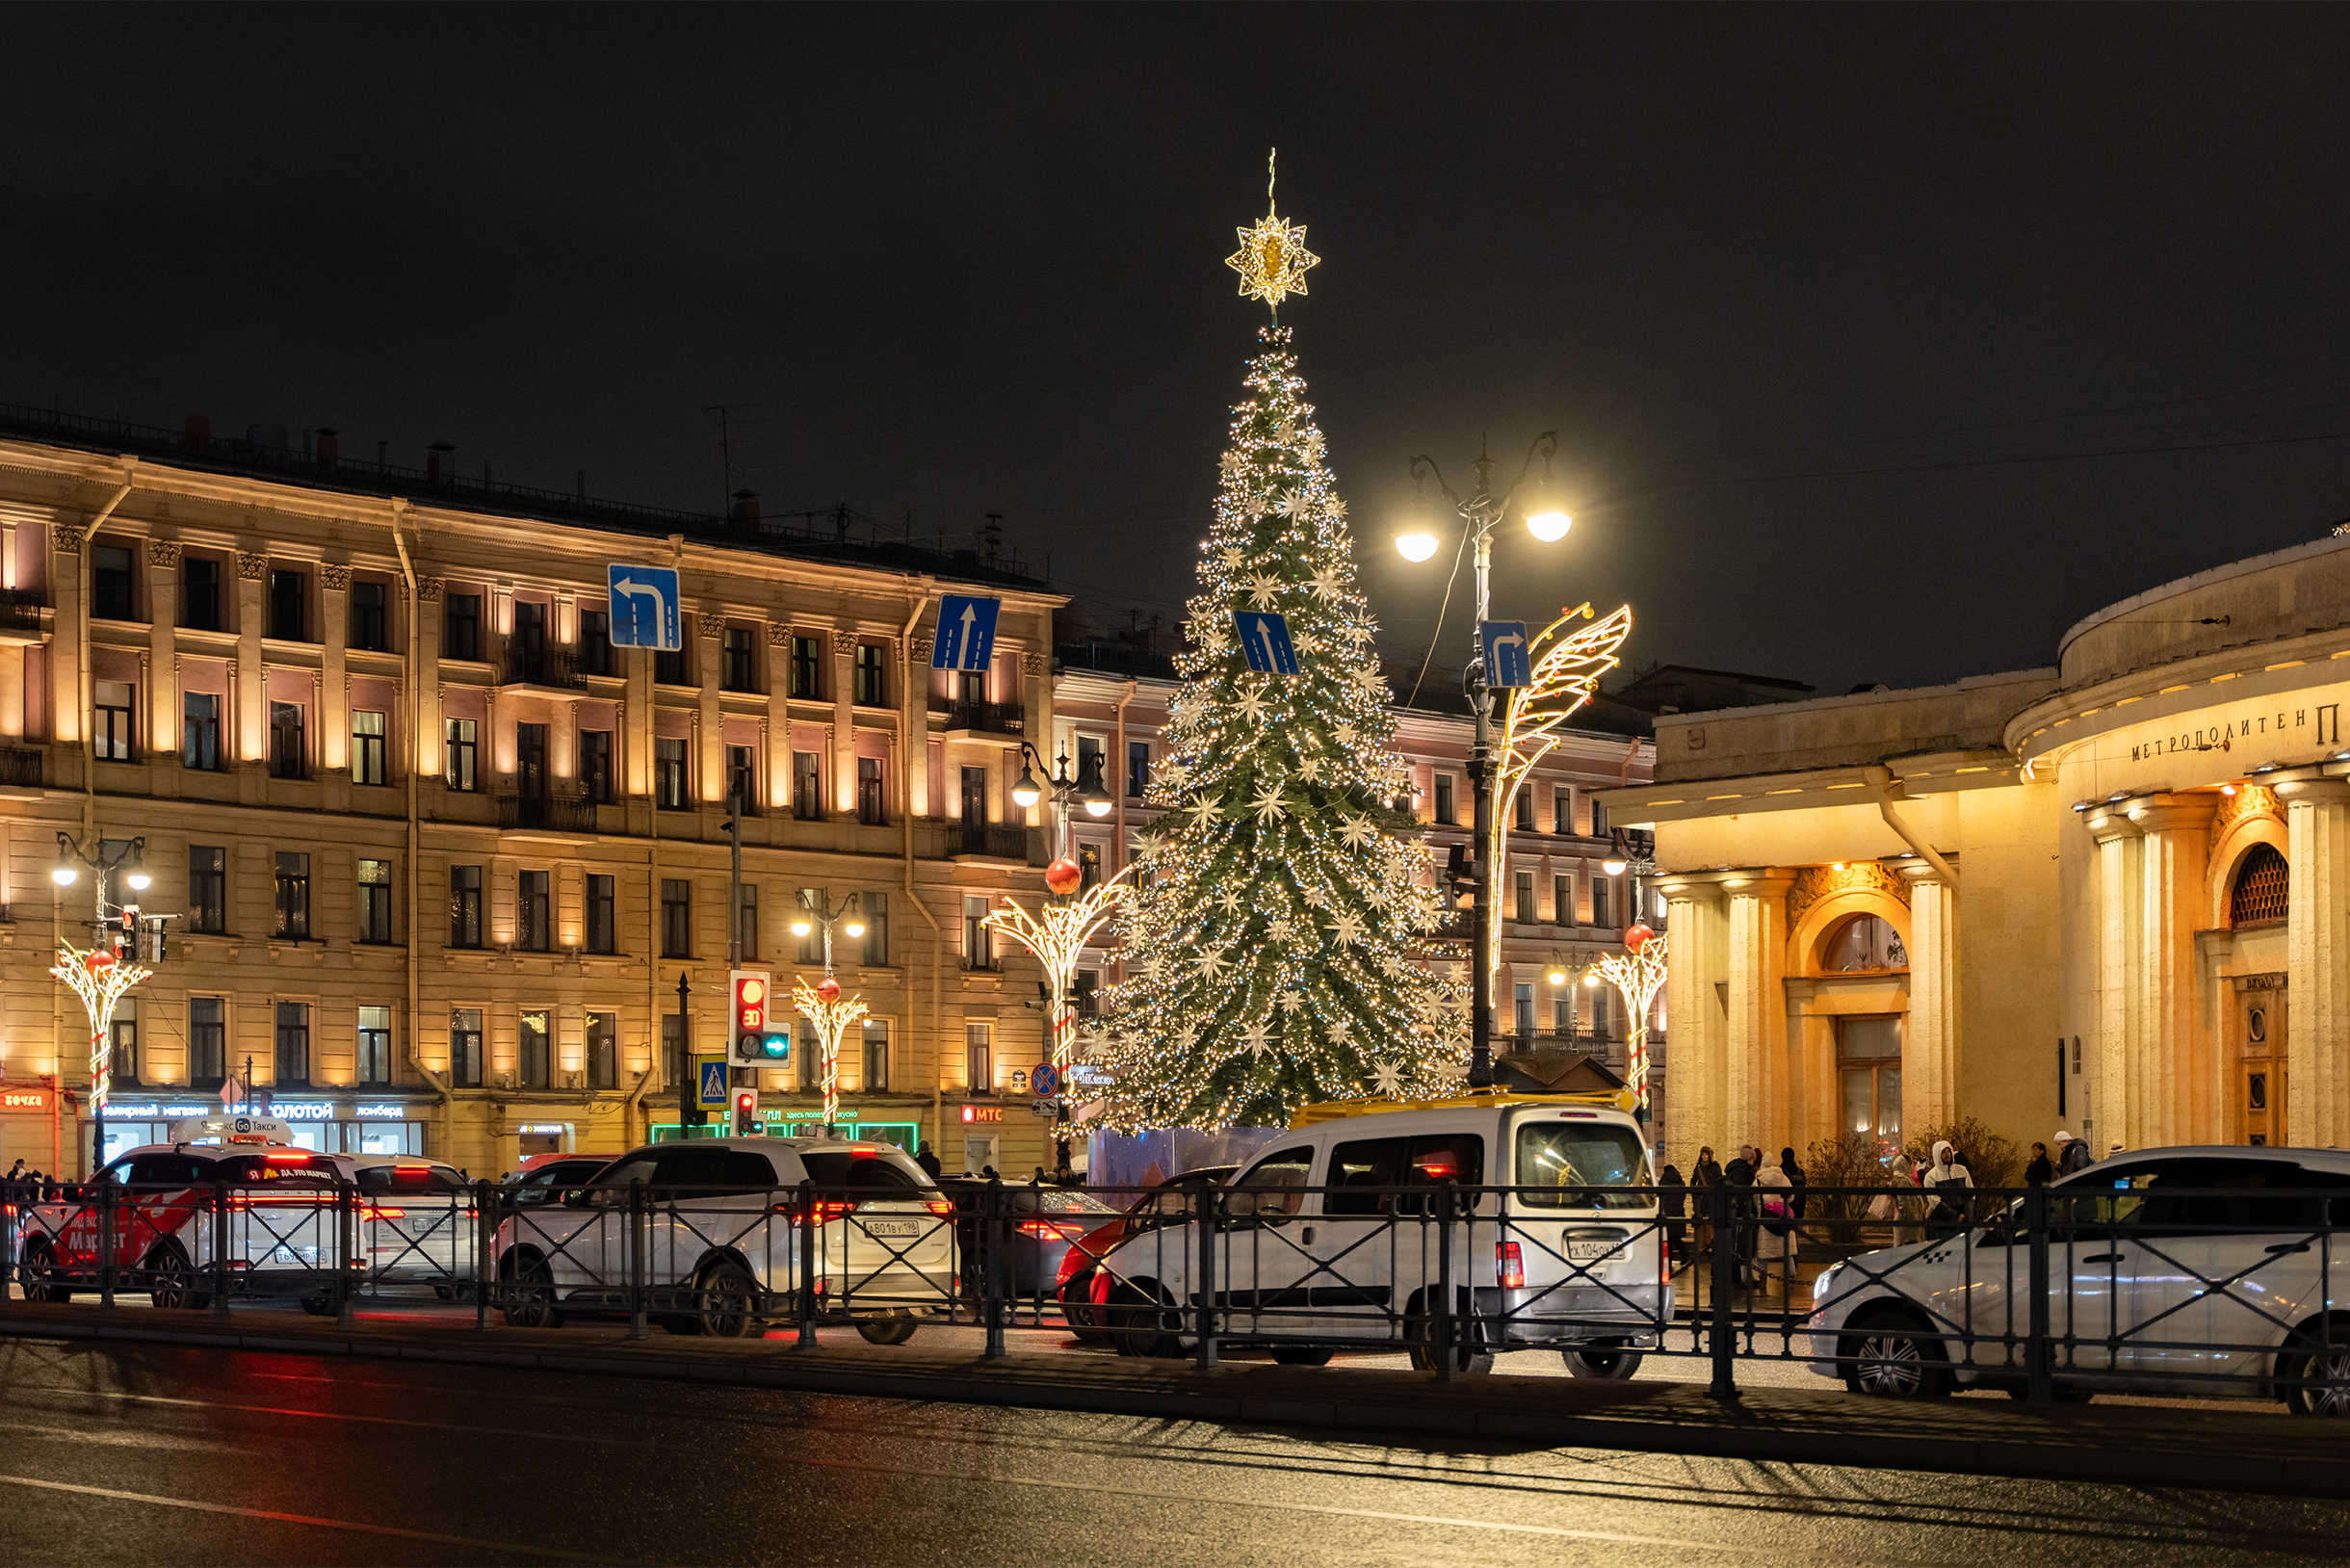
<point>1332,1239</point>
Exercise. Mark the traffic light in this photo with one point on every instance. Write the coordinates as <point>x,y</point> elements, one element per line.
<point>753,993</point>
<point>775,1045</point>
<point>746,1112</point>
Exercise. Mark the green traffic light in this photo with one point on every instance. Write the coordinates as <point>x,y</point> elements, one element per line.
<point>778,1046</point>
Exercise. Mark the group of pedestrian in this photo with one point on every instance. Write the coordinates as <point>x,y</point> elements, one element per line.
<point>2072,1155</point>
<point>21,1186</point>
<point>1766,1209</point>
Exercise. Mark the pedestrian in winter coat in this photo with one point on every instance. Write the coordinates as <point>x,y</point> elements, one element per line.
<point>1739,1173</point>
<point>1946,1181</point>
<point>1795,1179</point>
<point>1672,1207</point>
<point>2041,1170</point>
<point>1704,1177</point>
<point>1774,1255</point>
<point>2072,1154</point>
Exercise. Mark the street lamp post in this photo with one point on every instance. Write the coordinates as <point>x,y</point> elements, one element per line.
<point>1479,513</point>
<point>99,977</point>
<point>1085,789</point>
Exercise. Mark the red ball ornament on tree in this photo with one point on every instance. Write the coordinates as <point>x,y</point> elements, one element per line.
<point>829,990</point>
<point>100,959</point>
<point>1635,937</point>
<point>1064,876</point>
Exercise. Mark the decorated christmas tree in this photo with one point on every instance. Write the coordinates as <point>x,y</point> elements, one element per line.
<point>1270,939</point>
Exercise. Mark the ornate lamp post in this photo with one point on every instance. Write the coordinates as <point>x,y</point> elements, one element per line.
<point>98,975</point>
<point>1637,973</point>
<point>1478,513</point>
<point>822,1003</point>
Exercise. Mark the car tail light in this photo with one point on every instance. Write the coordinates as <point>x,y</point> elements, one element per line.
<point>1051,1231</point>
<point>386,1214</point>
<point>1511,1265</point>
<point>828,1210</point>
<point>941,1207</point>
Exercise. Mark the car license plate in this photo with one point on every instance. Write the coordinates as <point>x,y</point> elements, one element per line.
<point>892,1227</point>
<point>1591,1248</point>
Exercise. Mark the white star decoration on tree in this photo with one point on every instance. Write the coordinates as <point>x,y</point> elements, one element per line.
<point>1263,590</point>
<point>1327,583</point>
<point>1269,805</point>
<point>1203,811</point>
<point>1358,833</point>
<point>1389,1080</point>
<point>1346,930</point>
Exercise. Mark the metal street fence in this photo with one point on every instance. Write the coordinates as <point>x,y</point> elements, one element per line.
<point>2123,1285</point>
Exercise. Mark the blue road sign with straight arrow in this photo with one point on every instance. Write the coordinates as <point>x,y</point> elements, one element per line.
<point>966,632</point>
<point>1505,661</point>
<point>645,607</point>
<point>1264,638</point>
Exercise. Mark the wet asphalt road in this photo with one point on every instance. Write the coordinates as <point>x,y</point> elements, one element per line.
<point>168,1455</point>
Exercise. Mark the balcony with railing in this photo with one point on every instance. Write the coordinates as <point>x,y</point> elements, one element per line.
<point>21,767</point>
<point>557,669</point>
<point>547,813</point>
<point>22,615</point>
<point>995,840</point>
<point>982,718</point>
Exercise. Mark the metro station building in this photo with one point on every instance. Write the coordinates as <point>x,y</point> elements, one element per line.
<point>2111,895</point>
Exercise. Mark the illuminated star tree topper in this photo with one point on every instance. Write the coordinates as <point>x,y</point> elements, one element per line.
<point>1272,258</point>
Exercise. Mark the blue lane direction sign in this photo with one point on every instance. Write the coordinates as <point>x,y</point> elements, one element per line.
<point>710,1082</point>
<point>1506,664</point>
<point>1264,638</point>
<point>966,632</point>
<point>646,609</point>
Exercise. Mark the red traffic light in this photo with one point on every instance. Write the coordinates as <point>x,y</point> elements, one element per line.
<point>752,993</point>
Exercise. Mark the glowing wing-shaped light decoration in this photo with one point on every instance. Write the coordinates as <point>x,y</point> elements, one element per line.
<point>1568,662</point>
<point>1272,258</point>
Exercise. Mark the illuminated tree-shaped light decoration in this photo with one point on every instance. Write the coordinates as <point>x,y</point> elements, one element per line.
<point>1057,934</point>
<point>1568,662</point>
<point>1638,975</point>
<point>832,1015</point>
<point>100,980</point>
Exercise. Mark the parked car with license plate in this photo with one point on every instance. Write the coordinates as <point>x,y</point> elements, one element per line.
<point>418,1223</point>
<point>1079,1284</point>
<point>717,1240</point>
<point>2210,1270</point>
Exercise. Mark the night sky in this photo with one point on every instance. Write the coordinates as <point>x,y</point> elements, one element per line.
<point>1857,325</point>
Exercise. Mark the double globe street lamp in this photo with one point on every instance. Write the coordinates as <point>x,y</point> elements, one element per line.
<point>1477,514</point>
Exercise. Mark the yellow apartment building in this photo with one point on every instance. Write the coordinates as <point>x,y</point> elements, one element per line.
<point>435,854</point>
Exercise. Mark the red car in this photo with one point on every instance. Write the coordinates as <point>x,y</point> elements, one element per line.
<point>1080,1287</point>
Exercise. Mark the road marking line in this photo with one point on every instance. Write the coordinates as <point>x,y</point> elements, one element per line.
<point>301,1519</point>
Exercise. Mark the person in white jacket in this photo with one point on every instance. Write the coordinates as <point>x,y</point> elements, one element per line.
<point>1946,1183</point>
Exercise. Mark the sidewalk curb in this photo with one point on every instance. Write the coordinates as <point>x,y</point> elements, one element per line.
<point>2074,1451</point>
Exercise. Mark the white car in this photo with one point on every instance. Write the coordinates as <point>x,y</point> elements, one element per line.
<point>2200,1270</point>
<point>723,1239</point>
<point>418,1223</point>
<point>1328,1240</point>
<point>282,1212</point>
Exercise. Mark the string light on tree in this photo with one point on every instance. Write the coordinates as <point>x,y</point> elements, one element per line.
<point>1284,897</point>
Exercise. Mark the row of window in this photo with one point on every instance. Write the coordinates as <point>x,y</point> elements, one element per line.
<point>208,1042</point>
<point>1562,1015</point>
<point>115,596</point>
<point>1562,901</point>
<point>1445,810</point>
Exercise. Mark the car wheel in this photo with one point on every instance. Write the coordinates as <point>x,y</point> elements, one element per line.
<point>36,1274</point>
<point>173,1281</point>
<point>1301,1355</point>
<point>887,1330</point>
<point>2316,1376</point>
<point>1145,1325</point>
<point>1885,1356</point>
<point>1606,1362</point>
<point>1077,1308</point>
<point>1420,1335</point>
<point>729,1303</point>
<point>319,1306</point>
<point>530,1295</point>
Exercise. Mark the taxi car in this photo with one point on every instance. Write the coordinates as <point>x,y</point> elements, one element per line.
<point>1335,1237</point>
<point>722,1238</point>
<point>279,1225</point>
<point>2205,1270</point>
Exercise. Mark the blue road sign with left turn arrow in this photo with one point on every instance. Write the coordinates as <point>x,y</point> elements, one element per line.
<point>1506,664</point>
<point>966,632</point>
<point>1264,638</point>
<point>646,609</point>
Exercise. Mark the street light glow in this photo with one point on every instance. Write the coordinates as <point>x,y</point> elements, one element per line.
<point>1416,545</point>
<point>800,927</point>
<point>1024,793</point>
<point>1549,525</point>
<point>64,875</point>
<point>1612,866</point>
<point>855,926</point>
